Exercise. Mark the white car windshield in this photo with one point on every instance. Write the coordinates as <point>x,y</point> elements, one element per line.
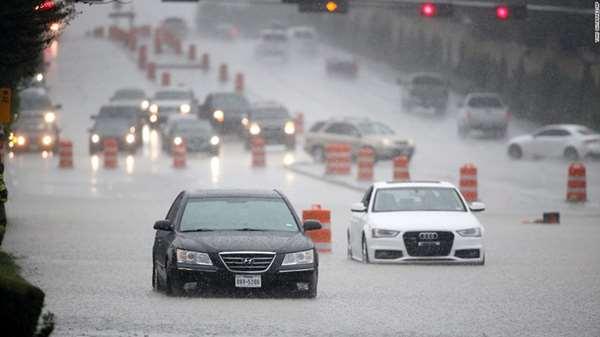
<point>433,199</point>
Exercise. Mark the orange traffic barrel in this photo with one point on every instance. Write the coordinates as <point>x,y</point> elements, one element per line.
<point>223,73</point>
<point>338,159</point>
<point>192,52</point>
<point>143,57</point>
<point>165,79</point>
<point>157,42</point>
<point>179,155</point>
<point>239,82</point>
<point>468,182</point>
<point>365,162</point>
<point>258,152</point>
<point>576,183</point>
<point>131,41</point>
<point>111,150</point>
<point>205,64</point>
<point>99,32</point>
<point>178,46</point>
<point>151,71</point>
<point>65,154</point>
<point>322,237</point>
<point>401,172</point>
<point>299,123</point>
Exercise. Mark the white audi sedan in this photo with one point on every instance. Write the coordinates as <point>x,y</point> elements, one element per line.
<point>408,222</point>
<point>570,141</point>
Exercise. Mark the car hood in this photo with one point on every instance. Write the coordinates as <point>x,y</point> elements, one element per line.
<point>407,221</point>
<point>223,241</point>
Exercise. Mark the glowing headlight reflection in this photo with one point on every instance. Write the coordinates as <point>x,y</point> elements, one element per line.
<point>129,164</point>
<point>245,122</point>
<point>153,108</point>
<point>21,140</point>
<point>47,140</point>
<point>153,118</point>
<point>95,162</point>
<point>39,77</point>
<point>130,138</point>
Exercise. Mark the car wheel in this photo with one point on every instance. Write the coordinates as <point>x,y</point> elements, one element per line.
<point>156,284</point>
<point>174,286</point>
<point>312,285</point>
<point>318,154</point>
<point>365,251</point>
<point>515,151</point>
<point>349,247</point>
<point>482,262</point>
<point>571,154</point>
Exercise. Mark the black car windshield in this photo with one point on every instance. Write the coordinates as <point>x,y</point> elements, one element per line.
<point>172,95</point>
<point>270,113</point>
<point>485,102</point>
<point>428,81</point>
<point>192,127</point>
<point>375,129</point>
<point>237,213</point>
<point>118,112</point>
<point>113,125</point>
<point>230,101</point>
<point>129,94</point>
<point>434,199</point>
<point>30,125</point>
<point>35,102</point>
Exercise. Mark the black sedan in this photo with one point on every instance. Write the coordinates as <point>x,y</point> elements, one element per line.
<point>234,239</point>
<point>272,122</point>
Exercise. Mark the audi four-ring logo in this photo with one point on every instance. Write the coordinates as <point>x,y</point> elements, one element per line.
<point>428,236</point>
<point>248,261</point>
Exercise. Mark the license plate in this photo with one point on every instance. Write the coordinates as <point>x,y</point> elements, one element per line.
<point>248,281</point>
<point>429,244</point>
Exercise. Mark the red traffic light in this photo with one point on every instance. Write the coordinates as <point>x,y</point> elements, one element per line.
<point>428,9</point>
<point>502,12</point>
<point>45,6</point>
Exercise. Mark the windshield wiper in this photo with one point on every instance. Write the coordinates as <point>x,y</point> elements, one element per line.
<point>198,230</point>
<point>251,230</point>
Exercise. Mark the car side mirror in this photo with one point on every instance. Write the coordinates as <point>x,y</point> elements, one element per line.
<point>163,225</point>
<point>477,206</point>
<point>358,207</point>
<point>311,225</point>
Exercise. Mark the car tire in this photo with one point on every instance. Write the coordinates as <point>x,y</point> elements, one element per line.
<point>365,251</point>
<point>156,283</point>
<point>349,246</point>
<point>571,154</point>
<point>312,285</point>
<point>318,154</point>
<point>174,287</point>
<point>515,151</point>
<point>482,262</point>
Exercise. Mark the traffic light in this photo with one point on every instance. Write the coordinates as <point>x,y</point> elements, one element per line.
<point>431,9</point>
<point>506,12</point>
<point>323,6</point>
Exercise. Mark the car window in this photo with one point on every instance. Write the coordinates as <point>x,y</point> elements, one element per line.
<point>375,129</point>
<point>128,94</point>
<point>427,81</point>
<point>553,133</point>
<point>485,102</point>
<point>35,102</point>
<point>317,126</point>
<point>586,131</point>
<point>270,113</point>
<point>174,208</point>
<point>172,95</point>
<point>342,129</point>
<point>418,199</point>
<point>367,197</point>
<point>237,213</point>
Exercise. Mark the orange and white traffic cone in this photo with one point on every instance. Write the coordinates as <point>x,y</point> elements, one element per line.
<point>468,182</point>
<point>179,155</point>
<point>401,172</point>
<point>205,64</point>
<point>258,152</point>
<point>111,150</point>
<point>192,53</point>
<point>151,71</point>
<point>299,123</point>
<point>577,183</point>
<point>338,159</point>
<point>65,154</point>
<point>365,162</point>
<point>165,79</point>
<point>322,237</point>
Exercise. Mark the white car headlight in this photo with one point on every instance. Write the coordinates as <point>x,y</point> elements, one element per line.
<point>177,140</point>
<point>254,129</point>
<point>219,116</point>
<point>214,140</point>
<point>470,232</point>
<point>50,117</point>
<point>153,118</point>
<point>145,105</point>
<point>130,138</point>
<point>21,140</point>
<point>132,129</point>
<point>39,77</point>
<point>185,108</point>
<point>305,257</point>
<point>189,257</point>
<point>245,121</point>
<point>47,140</point>
<point>153,108</point>
<point>289,128</point>
<point>95,138</point>
<point>383,233</point>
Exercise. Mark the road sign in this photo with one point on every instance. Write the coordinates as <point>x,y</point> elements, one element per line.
<point>5,105</point>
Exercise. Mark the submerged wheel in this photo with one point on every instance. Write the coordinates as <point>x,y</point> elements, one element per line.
<point>365,251</point>
<point>515,151</point>
<point>349,246</point>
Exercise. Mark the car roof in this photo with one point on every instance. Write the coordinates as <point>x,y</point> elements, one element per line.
<point>563,126</point>
<point>236,193</point>
<point>413,183</point>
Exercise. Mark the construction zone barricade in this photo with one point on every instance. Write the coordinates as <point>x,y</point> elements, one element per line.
<point>192,53</point>
<point>257,147</point>
<point>239,83</point>
<point>577,183</point>
<point>365,163</point>
<point>401,172</point>
<point>151,71</point>
<point>299,123</point>
<point>468,182</point>
<point>110,152</point>
<point>322,237</point>
<point>223,73</point>
<point>165,79</point>
<point>65,154</point>
<point>179,151</point>
<point>338,159</point>
<point>143,57</point>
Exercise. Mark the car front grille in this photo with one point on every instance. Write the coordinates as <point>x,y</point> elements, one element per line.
<point>247,262</point>
<point>428,244</point>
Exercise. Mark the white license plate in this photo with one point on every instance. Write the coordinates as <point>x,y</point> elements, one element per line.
<point>248,281</point>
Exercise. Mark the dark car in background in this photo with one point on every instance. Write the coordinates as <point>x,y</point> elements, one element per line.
<point>272,122</point>
<point>119,124</point>
<point>226,111</point>
<point>342,66</point>
<point>131,96</point>
<point>33,134</point>
<point>169,102</point>
<point>198,135</point>
<point>244,239</point>
<point>35,102</point>
<point>426,91</point>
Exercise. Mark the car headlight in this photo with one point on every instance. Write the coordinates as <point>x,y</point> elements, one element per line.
<point>21,140</point>
<point>95,138</point>
<point>214,140</point>
<point>153,118</point>
<point>386,142</point>
<point>177,140</point>
<point>289,128</point>
<point>254,129</point>
<point>304,257</point>
<point>50,117</point>
<point>245,121</point>
<point>130,138</point>
<point>383,233</point>
<point>39,77</point>
<point>189,257</point>
<point>145,104</point>
<point>219,116</point>
<point>185,108</point>
<point>47,140</point>
<point>132,129</point>
<point>153,108</point>
<point>470,232</point>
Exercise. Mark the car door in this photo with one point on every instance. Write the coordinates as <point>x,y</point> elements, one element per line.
<point>358,221</point>
<point>550,142</point>
<point>163,239</point>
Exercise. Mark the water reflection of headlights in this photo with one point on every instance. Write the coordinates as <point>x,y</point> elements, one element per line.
<point>254,129</point>
<point>95,138</point>
<point>214,140</point>
<point>50,117</point>
<point>185,108</point>
<point>130,138</point>
<point>289,128</point>
<point>219,116</point>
